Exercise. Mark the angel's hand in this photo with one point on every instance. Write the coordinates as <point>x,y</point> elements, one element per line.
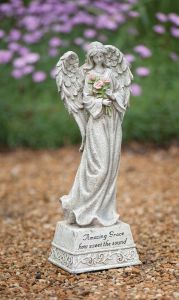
<point>110,95</point>
<point>106,102</point>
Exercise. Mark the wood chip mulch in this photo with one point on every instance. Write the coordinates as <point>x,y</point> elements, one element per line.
<point>148,191</point>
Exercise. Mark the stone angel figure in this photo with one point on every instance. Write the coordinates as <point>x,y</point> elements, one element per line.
<point>97,95</point>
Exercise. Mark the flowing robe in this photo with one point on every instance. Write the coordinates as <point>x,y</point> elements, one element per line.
<point>92,198</point>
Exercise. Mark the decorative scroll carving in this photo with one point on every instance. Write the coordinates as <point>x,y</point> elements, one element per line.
<point>94,259</point>
<point>121,256</point>
<point>61,257</point>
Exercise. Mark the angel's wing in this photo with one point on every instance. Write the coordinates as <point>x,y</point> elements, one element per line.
<point>70,79</point>
<point>116,61</point>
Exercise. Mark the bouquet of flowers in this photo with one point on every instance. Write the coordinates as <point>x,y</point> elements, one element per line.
<point>99,88</point>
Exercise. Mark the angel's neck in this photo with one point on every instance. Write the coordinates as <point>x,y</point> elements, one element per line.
<point>99,69</point>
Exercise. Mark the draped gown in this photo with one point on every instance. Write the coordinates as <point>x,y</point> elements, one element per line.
<point>92,198</point>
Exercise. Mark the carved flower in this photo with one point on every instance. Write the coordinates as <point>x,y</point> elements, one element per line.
<point>98,84</point>
<point>92,77</point>
<point>106,81</point>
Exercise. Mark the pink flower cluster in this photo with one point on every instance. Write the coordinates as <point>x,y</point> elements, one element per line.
<point>100,83</point>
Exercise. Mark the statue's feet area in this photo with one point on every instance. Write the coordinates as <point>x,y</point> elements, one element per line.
<point>82,249</point>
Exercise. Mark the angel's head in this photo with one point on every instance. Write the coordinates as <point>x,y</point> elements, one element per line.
<point>95,55</point>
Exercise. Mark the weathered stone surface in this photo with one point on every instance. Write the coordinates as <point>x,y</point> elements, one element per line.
<point>97,95</point>
<point>86,249</point>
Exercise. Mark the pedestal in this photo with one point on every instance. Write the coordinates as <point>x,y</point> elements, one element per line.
<point>78,250</point>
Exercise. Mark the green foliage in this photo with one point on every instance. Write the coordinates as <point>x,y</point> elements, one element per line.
<point>154,117</point>
<point>32,115</point>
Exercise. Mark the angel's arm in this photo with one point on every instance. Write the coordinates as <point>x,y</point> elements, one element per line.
<point>92,104</point>
<point>117,94</point>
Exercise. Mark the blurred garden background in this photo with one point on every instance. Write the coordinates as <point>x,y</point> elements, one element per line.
<point>34,34</point>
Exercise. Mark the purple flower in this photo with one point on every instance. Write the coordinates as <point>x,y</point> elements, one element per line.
<point>130,58</point>
<point>159,29</point>
<point>28,58</point>
<point>20,11</point>
<point>14,35</point>
<point>28,70</point>
<point>78,41</point>
<point>175,32</point>
<point>90,33</point>
<point>38,76</point>
<point>66,28</point>
<point>174,18</point>
<point>48,20</point>
<point>32,38</point>
<point>53,73</point>
<point>17,73</point>
<point>103,21</point>
<point>5,56</point>
<point>55,42</point>
<point>83,2</point>
<point>82,18</point>
<point>20,72</point>
<point>105,7</point>
<point>133,14</point>
<point>63,19</point>
<point>31,23</point>
<point>29,38</point>
<point>119,18</point>
<point>53,52</point>
<point>23,50</point>
<point>142,71</point>
<point>125,7</point>
<point>19,62</point>
<point>136,89</point>
<point>14,47</point>
<point>174,56</point>
<point>32,57</point>
<point>143,51</point>
<point>68,7</point>
<point>161,17</point>
<point>6,9</point>
<point>46,8</point>
<point>132,1</point>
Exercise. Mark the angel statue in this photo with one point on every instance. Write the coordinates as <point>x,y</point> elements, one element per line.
<point>97,95</point>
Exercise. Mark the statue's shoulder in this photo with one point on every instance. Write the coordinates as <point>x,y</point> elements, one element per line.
<point>89,74</point>
<point>111,72</point>
<point>85,72</point>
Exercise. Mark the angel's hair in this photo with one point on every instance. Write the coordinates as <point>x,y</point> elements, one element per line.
<point>94,48</point>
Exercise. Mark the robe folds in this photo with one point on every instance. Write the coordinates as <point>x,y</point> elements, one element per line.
<point>93,195</point>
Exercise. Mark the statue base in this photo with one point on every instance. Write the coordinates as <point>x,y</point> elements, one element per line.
<point>84,249</point>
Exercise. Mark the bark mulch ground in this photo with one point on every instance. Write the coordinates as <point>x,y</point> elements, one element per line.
<point>30,185</point>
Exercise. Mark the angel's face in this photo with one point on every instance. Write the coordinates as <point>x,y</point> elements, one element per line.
<point>98,58</point>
